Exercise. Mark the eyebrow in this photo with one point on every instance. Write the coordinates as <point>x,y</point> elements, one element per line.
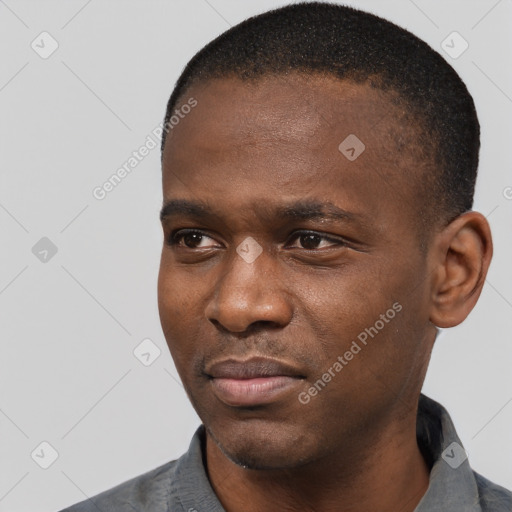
<point>306,209</point>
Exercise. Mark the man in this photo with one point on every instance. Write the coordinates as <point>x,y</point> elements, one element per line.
<point>318,174</point>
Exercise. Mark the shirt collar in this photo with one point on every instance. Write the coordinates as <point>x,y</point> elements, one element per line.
<point>193,490</point>
<point>452,484</point>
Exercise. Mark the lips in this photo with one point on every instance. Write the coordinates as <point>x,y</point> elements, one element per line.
<point>252,382</point>
<point>253,368</point>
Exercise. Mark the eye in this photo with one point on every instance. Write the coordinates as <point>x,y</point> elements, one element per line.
<point>195,239</point>
<point>310,240</point>
<point>192,239</point>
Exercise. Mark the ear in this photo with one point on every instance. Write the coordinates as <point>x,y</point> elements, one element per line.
<point>462,254</point>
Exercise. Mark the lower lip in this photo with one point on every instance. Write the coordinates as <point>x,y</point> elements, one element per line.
<point>250,392</point>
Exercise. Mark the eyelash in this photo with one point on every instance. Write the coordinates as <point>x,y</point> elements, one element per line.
<point>177,235</point>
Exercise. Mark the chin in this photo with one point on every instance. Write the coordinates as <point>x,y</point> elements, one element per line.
<point>266,447</point>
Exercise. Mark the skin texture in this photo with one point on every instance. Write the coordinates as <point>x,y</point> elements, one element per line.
<point>245,149</point>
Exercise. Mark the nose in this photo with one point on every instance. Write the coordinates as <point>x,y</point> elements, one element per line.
<point>250,293</point>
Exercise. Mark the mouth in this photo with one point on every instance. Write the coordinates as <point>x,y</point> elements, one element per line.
<point>256,381</point>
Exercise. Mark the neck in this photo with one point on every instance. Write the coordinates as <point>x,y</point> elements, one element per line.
<point>385,474</point>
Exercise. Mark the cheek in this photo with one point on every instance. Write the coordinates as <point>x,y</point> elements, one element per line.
<point>178,307</point>
<point>168,297</point>
<point>178,291</point>
<point>364,318</point>
<point>338,306</point>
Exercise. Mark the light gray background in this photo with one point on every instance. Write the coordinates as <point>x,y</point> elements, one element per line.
<point>69,326</point>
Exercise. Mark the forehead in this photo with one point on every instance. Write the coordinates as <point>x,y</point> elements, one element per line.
<point>282,108</point>
<point>293,134</point>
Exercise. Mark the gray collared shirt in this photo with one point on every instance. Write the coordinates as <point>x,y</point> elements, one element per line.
<point>182,485</point>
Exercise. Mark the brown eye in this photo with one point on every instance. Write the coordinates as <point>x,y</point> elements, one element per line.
<point>311,241</point>
<point>191,239</point>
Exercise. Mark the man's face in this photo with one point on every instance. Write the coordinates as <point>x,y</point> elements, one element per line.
<point>305,286</point>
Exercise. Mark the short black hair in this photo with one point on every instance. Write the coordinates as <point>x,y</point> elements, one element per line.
<point>340,41</point>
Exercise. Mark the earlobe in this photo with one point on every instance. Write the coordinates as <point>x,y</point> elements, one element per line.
<point>463,252</point>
